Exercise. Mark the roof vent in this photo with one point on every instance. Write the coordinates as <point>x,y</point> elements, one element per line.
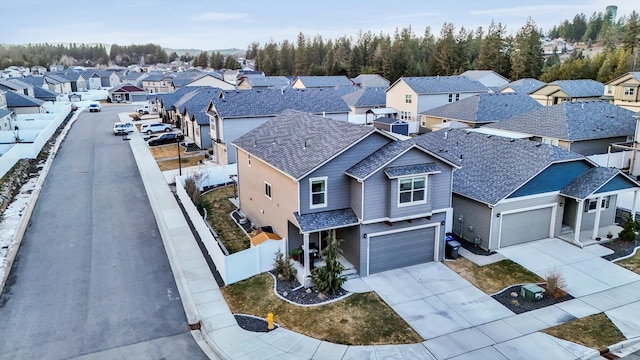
<point>445,136</point>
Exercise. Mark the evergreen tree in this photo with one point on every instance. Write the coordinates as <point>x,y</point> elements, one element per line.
<point>526,58</point>
<point>300,65</point>
<point>444,53</point>
<point>327,279</point>
<point>631,33</point>
<point>493,54</point>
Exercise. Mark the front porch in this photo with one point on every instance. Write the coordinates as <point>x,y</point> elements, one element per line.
<point>349,271</point>
<point>585,237</point>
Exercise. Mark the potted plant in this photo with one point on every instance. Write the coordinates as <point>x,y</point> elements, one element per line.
<point>295,253</point>
<point>609,235</point>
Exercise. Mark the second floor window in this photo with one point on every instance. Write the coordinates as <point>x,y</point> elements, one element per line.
<point>407,99</point>
<point>412,191</point>
<point>454,97</point>
<point>318,192</point>
<point>629,91</point>
<point>267,189</point>
<point>249,160</point>
<point>405,115</point>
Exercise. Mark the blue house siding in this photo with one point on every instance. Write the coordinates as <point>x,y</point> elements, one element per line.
<point>339,184</point>
<point>553,178</point>
<point>617,183</point>
<point>356,197</point>
<point>471,219</point>
<point>234,128</point>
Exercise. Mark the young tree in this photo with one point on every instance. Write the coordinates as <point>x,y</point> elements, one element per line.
<point>327,279</point>
<point>527,59</point>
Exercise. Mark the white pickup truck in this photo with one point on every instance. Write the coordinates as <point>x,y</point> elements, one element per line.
<point>145,109</point>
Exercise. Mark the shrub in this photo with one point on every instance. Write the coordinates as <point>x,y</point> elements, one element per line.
<point>283,267</point>
<point>555,283</point>
<point>629,228</point>
<point>192,189</point>
<point>327,278</point>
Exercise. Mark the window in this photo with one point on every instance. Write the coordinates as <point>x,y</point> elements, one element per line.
<point>609,89</point>
<point>629,91</point>
<point>412,191</point>
<point>267,189</point>
<point>407,99</point>
<point>318,192</point>
<point>457,97</point>
<point>550,141</point>
<point>450,97</point>
<point>592,204</point>
<point>249,160</point>
<point>405,115</point>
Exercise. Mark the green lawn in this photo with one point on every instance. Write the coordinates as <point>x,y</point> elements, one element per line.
<point>219,208</point>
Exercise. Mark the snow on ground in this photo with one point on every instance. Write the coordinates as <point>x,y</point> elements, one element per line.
<point>10,221</point>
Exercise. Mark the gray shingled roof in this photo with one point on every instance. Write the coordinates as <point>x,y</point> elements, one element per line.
<point>4,112</point>
<point>589,182</point>
<point>367,97</point>
<point>158,76</point>
<point>268,81</point>
<point>270,102</point>
<point>443,84</point>
<point>378,159</point>
<point>371,80</point>
<point>168,100</point>
<point>486,108</point>
<point>197,105</point>
<point>405,170</point>
<point>525,86</point>
<point>580,88</point>
<point>492,167</point>
<point>324,81</point>
<point>573,121</point>
<point>18,100</point>
<point>37,81</point>
<point>296,143</point>
<point>326,220</point>
<point>44,94</point>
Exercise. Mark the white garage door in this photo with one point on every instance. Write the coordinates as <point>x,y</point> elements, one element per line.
<point>392,251</point>
<point>525,226</point>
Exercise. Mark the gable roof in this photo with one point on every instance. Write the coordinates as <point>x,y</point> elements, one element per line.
<point>324,81</point>
<point>296,143</point>
<point>372,80</point>
<point>158,76</point>
<point>573,121</point>
<point>270,102</point>
<point>18,100</point>
<point>129,88</point>
<point>573,88</point>
<point>44,94</point>
<point>4,112</point>
<point>492,167</point>
<point>56,77</point>
<point>525,85</point>
<point>15,83</point>
<point>267,81</point>
<point>589,182</point>
<point>367,97</point>
<point>635,75</point>
<point>481,75</point>
<point>425,85</point>
<point>168,100</point>
<point>486,107</point>
<point>36,81</point>
<point>198,103</point>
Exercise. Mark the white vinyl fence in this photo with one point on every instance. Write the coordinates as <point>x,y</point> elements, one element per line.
<point>618,160</point>
<point>237,266</point>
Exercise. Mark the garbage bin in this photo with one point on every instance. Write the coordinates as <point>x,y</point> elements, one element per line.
<point>452,249</point>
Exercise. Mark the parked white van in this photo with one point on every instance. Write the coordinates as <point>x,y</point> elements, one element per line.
<point>122,128</point>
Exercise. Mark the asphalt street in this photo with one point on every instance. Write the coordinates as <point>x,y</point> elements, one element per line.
<point>91,279</point>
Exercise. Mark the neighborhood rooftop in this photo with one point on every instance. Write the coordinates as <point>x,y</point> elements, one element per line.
<point>368,96</point>
<point>295,142</point>
<point>580,88</point>
<point>589,182</point>
<point>443,84</point>
<point>525,86</point>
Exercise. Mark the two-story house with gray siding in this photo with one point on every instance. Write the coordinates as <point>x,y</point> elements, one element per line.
<point>512,191</point>
<point>233,113</point>
<point>388,200</point>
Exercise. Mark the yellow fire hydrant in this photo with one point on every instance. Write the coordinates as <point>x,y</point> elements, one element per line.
<point>270,321</point>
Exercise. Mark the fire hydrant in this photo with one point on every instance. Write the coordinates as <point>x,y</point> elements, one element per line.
<point>270,321</point>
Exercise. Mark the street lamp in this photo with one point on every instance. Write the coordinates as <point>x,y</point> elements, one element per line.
<point>179,160</point>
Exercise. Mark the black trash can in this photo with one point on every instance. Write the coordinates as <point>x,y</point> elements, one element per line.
<point>452,249</point>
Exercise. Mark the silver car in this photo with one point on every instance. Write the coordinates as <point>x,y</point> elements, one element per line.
<point>155,127</point>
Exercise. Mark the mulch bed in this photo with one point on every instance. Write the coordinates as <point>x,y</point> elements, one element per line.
<point>620,248</point>
<point>252,323</point>
<point>519,304</point>
<point>292,291</point>
<point>470,246</point>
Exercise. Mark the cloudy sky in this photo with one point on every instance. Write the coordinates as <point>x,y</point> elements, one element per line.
<point>216,24</point>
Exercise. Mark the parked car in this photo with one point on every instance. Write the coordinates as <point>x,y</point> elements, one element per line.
<point>155,127</point>
<point>122,128</point>
<point>94,107</point>
<point>170,138</point>
<point>145,109</point>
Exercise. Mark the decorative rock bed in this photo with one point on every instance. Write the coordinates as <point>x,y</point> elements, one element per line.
<point>519,304</point>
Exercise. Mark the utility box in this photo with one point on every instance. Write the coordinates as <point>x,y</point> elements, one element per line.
<point>532,292</point>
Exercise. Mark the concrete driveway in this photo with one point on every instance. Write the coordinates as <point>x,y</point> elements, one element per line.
<point>584,272</point>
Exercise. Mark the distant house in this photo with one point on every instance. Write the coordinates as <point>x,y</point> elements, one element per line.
<point>389,201</point>
<point>93,79</point>
<point>391,125</point>
<point>127,93</point>
<point>18,86</point>
<point>478,110</point>
<point>370,80</point>
<point>263,82</point>
<point>44,94</point>
<point>58,84</point>
<point>307,82</point>
<point>624,91</point>
<point>168,104</point>
<point>108,78</point>
<point>363,100</point>
<point>38,70</point>
<point>234,112</point>
<point>156,82</point>
<point>488,78</point>
<point>194,112</point>
<point>568,90</point>
<point>522,86</point>
<point>56,67</point>
<point>204,79</point>
<point>413,95</point>
<point>512,191</point>
<point>133,77</point>
<point>586,127</point>
<point>23,104</point>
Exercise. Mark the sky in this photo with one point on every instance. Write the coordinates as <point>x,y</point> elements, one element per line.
<point>215,24</point>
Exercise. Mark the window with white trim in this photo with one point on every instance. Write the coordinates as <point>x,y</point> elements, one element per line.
<point>609,89</point>
<point>318,192</point>
<point>267,190</point>
<point>457,97</point>
<point>405,115</point>
<point>592,204</point>
<point>407,98</point>
<point>550,141</point>
<point>249,160</point>
<point>628,91</point>
<point>412,191</point>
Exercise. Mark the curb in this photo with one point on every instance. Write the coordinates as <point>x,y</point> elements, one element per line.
<point>33,199</point>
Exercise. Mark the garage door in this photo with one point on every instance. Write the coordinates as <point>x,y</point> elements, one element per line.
<point>525,226</point>
<point>392,251</point>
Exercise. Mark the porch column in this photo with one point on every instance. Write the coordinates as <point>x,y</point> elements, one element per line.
<point>634,206</point>
<point>578,224</point>
<point>596,222</point>
<point>305,249</point>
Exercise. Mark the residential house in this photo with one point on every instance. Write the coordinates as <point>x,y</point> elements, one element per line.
<point>370,80</point>
<point>5,114</point>
<point>127,93</point>
<point>193,109</point>
<point>44,94</point>
<point>410,96</point>
<point>234,113</point>
<point>57,83</point>
<point>23,104</point>
<point>167,104</point>
<point>363,100</point>
<point>133,77</point>
<point>523,86</point>
<point>586,127</point>
<point>108,78</point>
<point>38,70</point>
<point>203,79</point>
<point>478,110</point>
<point>263,82</point>
<point>624,91</point>
<point>568,90</point>
<point>56,67</point>
<point>76,80</point>
<point>488,78</point>
<point>307,82</point>
<point>18,86</point>
<point>93,79</point>
<point>386,200</point>
<point>158,82</point>
<point>512,191</point>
